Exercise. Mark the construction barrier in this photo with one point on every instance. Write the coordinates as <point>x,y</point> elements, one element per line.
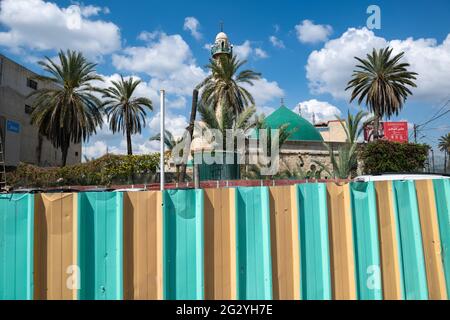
<point>100,245</point>
<point>312,241</point>
<point>183,244</point>
<point>254,279</point>
<point>16,246</point>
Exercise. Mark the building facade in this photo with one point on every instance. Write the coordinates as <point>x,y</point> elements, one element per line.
<point>21,140</point>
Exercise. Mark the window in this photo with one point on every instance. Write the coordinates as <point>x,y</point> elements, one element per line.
<point>28,109</point>
<point>31,84</point>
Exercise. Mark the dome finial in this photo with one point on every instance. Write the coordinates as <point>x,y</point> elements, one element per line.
<point>221,26</point>
<point>282,101</point>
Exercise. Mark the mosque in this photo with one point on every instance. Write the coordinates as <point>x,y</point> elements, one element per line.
<point>305,145</point>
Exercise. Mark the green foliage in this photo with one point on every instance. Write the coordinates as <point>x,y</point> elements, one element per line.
<point>225,84</point>
<point>107,170</point>
<point>69,112</point>
<point>384,156</point>
<point>126,112</point>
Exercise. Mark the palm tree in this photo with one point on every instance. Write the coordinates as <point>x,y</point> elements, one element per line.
<point>382,82</point>
<point>170,142</point>
<point>224,85</point>
<point>228,121</point>
<point>353,125</point>
<point>444,146</point>
<point>346,162</point>
<point>125,112</point>
<point>68,112</point>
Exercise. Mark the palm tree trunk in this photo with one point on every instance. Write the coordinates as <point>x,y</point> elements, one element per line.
<point>376,127</point>
<point>129,147</point>
<point>64,152</point>
<point>445,162</point>
<point>190,130</point>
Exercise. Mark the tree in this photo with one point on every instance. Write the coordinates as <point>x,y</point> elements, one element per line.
<point>382,82</point>
<point>228,121</point>
<point>444,146</point>
<point>67,112</point>
<point>346,162</point>
<point>225,85</point>
<point>170,142</point>
<point>125,112</point>
<point>353,125</point>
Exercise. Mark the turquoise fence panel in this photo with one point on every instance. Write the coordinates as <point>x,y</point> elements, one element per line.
<point>183,244</point>
<point>100,245</point>
<point>315,273</point>
<point>253,257</point>
<point>366,242</point>
<point>442,197</point>
<point>410,237</point>
<point>16,246</point>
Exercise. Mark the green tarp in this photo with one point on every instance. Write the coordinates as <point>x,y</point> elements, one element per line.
<point>100,247</point>
<point>183,244</point>
<point>315,280</point>
<point>254,266</point>
<point>365,239</point>
<point>16,246</point>
<point>442,195</point>
<point>412,263</point>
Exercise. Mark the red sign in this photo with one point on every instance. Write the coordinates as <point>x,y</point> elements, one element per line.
<point>396,131</point>
<point>391,131</point>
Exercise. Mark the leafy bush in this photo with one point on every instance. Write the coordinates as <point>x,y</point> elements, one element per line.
<point>384,156</point>
<point>107,170</point>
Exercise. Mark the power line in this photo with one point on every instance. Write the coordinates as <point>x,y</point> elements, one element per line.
<point>436,115</point>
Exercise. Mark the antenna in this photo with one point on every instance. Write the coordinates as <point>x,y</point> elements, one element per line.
<point>221,26</point>
<point>282,101</point>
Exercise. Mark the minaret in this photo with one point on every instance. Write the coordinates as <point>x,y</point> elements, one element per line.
<point>221,46</point>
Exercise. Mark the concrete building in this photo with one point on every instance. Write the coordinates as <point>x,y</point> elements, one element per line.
<point>21,140</point>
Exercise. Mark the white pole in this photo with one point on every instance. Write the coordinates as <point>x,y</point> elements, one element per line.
<point>161,161</point>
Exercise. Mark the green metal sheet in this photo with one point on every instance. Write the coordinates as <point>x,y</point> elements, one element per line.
<point>183,244</point>
<point>16,246</point>
<point>100,245</point>
<point>315,280</point>
<point>442,197</point>
<point>366,242</point>
<point>253,257</point>
<point>414,281</point>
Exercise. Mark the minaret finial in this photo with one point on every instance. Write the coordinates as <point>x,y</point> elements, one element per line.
<point>282,101</point>
<point>221,26</point>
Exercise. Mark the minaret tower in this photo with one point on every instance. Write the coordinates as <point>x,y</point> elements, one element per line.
<point>221,46</point>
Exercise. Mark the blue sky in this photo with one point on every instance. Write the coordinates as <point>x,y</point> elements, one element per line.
<point>304,49</point>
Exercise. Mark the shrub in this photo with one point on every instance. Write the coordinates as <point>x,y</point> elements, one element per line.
<point>107,170</point>
<point>384,156</point>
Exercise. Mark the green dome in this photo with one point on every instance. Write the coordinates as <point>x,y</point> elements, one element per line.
<point>303,129</point>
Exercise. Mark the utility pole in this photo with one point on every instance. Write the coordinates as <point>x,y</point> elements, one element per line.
<point>161,161</point>
<point>415,133</point>
<point>432,159</point>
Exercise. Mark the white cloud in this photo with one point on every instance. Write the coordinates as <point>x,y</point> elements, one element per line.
<point>260,53</point>
<point>265,91</point>
<point>40,25</point>
<point>330,68</point>
<point>192,25</point>
<point>167,59</point>
<point>277,43</point>
<point>322,110</point>
<point>245,50</point>
<point>308,32</point>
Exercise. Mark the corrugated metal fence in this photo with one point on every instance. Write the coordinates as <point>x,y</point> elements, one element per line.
<point>383,240</point>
